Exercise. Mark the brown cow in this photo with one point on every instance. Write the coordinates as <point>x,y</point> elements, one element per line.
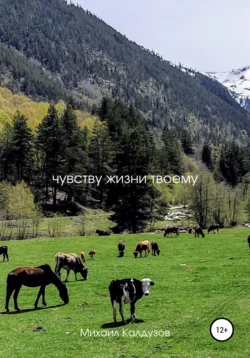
<point>70,262</point>
<point>142,246</point>
<point>92,253</point>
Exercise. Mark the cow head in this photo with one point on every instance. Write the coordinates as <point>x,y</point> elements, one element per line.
<point>135,253</point>
<point>84,273</point>
<point>158,252</point>
<point>146,283</point>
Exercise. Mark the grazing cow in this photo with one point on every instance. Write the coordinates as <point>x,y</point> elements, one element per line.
<point>70,262</point>
<point>4,252</point>
<point>121,248</point>
<point>214,228</point>
<point>171,230</point>
<point>83,256</point>
<point>92,253</point>
<point>142,246</point>
<point>102,233</point>
<point>155,248</point>
<point>33,277</point>
<point>128,290</point>
<point>198,231</point>
<point>248,240</point>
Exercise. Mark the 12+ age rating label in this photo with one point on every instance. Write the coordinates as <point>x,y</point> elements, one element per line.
<point>222,329</point>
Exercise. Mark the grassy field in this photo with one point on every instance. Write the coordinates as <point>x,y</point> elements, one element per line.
<point>185,299</point>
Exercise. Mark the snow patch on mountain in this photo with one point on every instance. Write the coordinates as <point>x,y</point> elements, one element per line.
<point>237,82</point>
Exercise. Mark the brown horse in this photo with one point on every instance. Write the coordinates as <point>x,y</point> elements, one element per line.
<point>33,277</point>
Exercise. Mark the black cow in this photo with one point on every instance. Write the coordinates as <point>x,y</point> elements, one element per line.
<point>171,230</point>
<point>214,228</point>
<point>4,252</point>
<point>128,290</point>
<point>102,233</point>
<point>155,248</point>
<point>248,240</point>
<point>198,231</point>
<point>121,248</point>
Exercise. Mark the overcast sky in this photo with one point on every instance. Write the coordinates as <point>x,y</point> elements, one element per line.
<point>208,35</point>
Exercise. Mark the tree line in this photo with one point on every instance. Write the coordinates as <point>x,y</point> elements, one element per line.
<point>119,144</point>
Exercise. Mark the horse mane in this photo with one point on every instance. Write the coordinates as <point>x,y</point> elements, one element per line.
<point>54,278</point>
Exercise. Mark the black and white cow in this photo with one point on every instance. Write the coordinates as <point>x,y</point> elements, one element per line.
<point>4,252</point>
<point>70,262</point>
<point>128,290</point>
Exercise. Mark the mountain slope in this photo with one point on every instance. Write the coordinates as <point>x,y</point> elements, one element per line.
<point>21,75</point>
<point>92,59</point>
<point>237,82</point>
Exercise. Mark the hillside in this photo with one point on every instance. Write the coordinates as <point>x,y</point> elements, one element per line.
<point>90,59</point>
<point>34,111</point>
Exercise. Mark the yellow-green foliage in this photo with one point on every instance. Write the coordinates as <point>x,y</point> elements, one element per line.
<point>34,111</point>
<point>84,119</point>
<point>190,165</point>
<point>21,203</point>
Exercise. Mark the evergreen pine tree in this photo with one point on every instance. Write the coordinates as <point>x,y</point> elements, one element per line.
<point>50,151</point>
<point>172,150</point>
<point>22,148</point>
<point>187,142</point>
<point>75,156</point>
<point>132,202</point>
<point>100,154</point>
<point>206,155</point>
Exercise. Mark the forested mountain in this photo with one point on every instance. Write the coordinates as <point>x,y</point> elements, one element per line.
<point>79,53</point>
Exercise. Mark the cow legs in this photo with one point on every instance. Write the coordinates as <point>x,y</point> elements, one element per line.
<point>68,271</point>
<point>15,297</point>
<point>114,311</point>
<point>132,312</point>
<point>58,271</point>
<point>5,256</point>
<point>41,292</point>
<point>121,311</point>
<point>75,276</point>
<point>8,295</point>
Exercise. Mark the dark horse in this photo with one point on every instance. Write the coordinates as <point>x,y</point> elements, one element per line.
<point>33,277</point>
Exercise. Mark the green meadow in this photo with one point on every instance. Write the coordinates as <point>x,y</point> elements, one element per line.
<point>196,281</point>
